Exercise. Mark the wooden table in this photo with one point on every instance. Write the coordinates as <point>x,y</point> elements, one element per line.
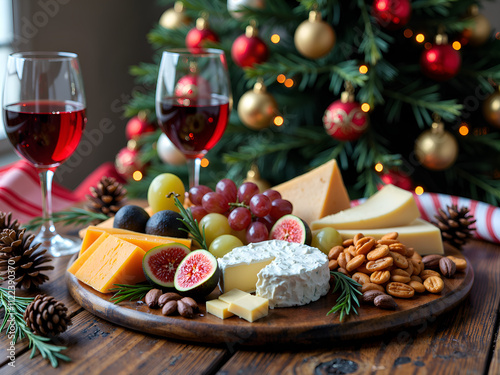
<point>465,340</point>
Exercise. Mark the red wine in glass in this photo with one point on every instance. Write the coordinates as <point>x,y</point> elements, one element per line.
<point>194,125</point>
<point>47,132</point>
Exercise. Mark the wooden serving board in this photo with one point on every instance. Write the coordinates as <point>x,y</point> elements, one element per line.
<point>293,325</point>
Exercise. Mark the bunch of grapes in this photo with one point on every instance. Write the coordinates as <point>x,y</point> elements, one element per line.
<point>245,207</point>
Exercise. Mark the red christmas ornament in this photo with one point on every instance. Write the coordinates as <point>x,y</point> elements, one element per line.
<point>197,36</point>
<point>127,161</point>
<point>248,50</point>
<point>192,86</point>
<point>440,62</point>
<point>396,178</point>
<point>137,126</point>
<point>343,119</point>
<point>392,14</point>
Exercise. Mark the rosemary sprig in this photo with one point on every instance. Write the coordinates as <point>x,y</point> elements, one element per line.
<point>130,292</point>
<point>16,328</point>
<point>77,216</point>
<point>191,224</point>
<point>348,298</point>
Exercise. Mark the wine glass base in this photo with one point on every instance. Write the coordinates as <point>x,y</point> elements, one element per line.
<point>58,245</point>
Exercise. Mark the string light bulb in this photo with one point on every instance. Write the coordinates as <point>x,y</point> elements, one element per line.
<point>419,190</point>
<point>379,167</point>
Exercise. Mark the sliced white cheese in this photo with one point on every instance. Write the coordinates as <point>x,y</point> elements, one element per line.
<point>285,273</point>
<point>250,307</point>
<point>389,207</point>
<point>421,235</point>
<point>218,308</point>
<point>232,295</point>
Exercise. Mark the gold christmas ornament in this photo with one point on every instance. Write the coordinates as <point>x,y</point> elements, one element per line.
<point>480,30</point>
<point>436,148</point>
<point>257,108</point>
<point>314,38</point>
<point>174,17</point>
<point>491,108</point>
<point>253,175</point>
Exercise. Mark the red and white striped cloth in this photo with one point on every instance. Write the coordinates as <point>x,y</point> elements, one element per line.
<point>487,216</point>
<point>20,191</point>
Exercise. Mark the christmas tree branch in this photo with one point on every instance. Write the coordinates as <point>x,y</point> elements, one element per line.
<point>423,101</point>
<point>372,45</point>
<point>145,73</point>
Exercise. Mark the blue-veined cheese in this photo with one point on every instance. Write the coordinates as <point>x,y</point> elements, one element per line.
<point>285,273</point>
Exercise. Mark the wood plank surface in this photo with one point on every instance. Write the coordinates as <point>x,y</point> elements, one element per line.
<point>96,346</point>
<point>457,342</point>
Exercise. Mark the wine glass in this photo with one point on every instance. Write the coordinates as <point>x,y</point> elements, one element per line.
<point>192,102</point>
<point>44,116</point>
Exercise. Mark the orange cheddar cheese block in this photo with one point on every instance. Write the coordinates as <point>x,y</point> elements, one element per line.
<point>82,258</point>
<point>114,261</point>
<point>149,241</point>
<point>317,193</point>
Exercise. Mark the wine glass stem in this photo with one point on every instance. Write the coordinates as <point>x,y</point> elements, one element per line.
<point>47,230</point>
<point>194,171</point>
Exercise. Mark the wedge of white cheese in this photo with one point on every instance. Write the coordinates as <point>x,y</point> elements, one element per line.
<point>389,207</point>
<point>424,237</point>
<point>285,273</point>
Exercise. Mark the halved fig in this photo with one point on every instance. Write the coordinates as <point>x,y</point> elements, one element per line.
<point>161,262</point>
<point>291,228</point>
<point>197,275</point>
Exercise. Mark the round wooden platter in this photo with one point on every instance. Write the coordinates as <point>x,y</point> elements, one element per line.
<point>293,325</point>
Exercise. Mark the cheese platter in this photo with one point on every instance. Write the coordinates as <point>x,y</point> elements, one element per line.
<point>236,265</point>
<point>302,325</point>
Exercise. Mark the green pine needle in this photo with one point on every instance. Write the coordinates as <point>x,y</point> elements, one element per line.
<point>130,292</point>
<point>347,299</point>
<point>76,216</point>
<point>13,322</point>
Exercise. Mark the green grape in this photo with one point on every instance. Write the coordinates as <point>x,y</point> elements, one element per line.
<point>160,187</point>
<point>326,238</point>
<point>215,225</point>
<point>224,244</point>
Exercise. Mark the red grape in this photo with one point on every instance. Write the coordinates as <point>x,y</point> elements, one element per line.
<point>280,207</point>
<point>227,188</point>
<point>246,191</point>
<point>257,232</point>
<point>215,203</point>
<point>198,212</point>
<point>196,193</point>
<point>239,218</point>
<point>268,221</point>
<point>260,205</point>
<point>272,194</point>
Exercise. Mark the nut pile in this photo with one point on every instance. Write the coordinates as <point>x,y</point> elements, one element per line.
<point>386,268</point>
<point>171,303</point>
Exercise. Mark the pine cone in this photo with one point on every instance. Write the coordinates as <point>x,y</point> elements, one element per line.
<point>26,261</point>
<point>46,317</point>
<point>6,221</point>
<point>107,198</point>
<point>455,225</point>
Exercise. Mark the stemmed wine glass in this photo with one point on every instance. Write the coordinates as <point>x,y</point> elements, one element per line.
<point>192,102</point>
<point>44,115</point>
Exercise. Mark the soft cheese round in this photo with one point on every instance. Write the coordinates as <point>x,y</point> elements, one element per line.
<point>298,275</point>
